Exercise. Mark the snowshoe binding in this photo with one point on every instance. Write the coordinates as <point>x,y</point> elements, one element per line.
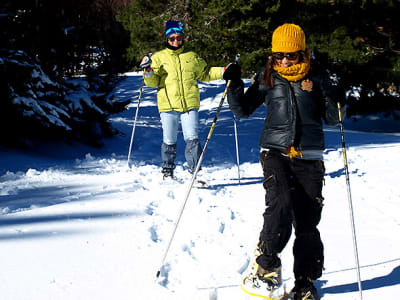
<point>199,182</point>
<point>264,283</point>
<point>168,174</point>
<point>304,289</point>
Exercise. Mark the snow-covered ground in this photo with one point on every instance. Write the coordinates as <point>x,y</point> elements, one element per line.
<point>77,223</point>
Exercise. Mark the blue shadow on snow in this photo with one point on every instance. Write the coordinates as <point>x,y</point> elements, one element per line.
<point>393,278</point>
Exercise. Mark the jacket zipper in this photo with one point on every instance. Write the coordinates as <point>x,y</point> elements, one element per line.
<point>181,81</point>
<point>293,106</point>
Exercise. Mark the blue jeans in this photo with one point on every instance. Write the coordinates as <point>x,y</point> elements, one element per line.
<point>170,123</point>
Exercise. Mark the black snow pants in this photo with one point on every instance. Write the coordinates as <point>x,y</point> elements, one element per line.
<point>293,198</point>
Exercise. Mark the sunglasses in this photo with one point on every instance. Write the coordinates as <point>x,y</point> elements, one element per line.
<point>289,56</point>
<point>179,38</point>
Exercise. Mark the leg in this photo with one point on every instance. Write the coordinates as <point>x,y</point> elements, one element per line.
<point>278,213</point>
<point>307,207</point>
<point>190,122</point>
<point>169,122</point>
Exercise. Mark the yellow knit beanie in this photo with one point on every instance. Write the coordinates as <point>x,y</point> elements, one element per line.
<point>288,38</point>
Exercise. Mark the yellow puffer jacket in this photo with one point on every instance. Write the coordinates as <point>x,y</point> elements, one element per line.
<point>175,73</point>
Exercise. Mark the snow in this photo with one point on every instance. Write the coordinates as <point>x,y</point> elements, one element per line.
<point>76,98</point>
<point>77,223</point>
<point>43,77</point>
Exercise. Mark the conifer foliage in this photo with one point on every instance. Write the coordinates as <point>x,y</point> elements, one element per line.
<point>359,41</point>
<point>44,45</point>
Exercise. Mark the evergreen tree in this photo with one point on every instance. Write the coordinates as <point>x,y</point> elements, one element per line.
<point>217,30</point>
<point>357,40</point>
<point>42,43</point>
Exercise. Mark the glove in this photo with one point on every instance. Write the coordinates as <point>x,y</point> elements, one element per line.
<point>232,72</point>
<point>146,61</point>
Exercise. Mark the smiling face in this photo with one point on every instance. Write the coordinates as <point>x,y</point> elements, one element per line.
<point>285,60</point>
<point>285,63</point>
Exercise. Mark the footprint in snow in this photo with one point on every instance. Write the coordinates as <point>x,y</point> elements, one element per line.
<point>171,194</point>
<point>150,208</point>
<point>153,233</point>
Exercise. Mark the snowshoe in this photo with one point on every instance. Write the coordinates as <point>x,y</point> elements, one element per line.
<point>263,283</point>
<point>200,182</point>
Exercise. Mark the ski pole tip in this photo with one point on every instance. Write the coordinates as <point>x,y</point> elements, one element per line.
<point>158,273</point>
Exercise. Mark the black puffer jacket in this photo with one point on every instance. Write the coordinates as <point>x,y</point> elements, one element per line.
<point>295,110</point>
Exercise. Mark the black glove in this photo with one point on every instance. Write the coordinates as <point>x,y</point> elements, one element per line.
<point>146,61</point>
<point>232,72</point>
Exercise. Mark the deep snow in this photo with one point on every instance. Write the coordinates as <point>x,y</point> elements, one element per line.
<point>77,223</point>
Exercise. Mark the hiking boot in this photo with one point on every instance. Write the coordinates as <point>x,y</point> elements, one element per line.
<point>192,169</point>
<point>168,173</point>
<point>263,283</point>
<point>258,277</point>
<point>272,277</point>
<point>304,289</point>
<point>266,283</point>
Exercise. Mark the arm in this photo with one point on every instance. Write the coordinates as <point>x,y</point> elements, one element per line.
<point>244,104</point>
<point>151,76</point>
<point>206,73</point>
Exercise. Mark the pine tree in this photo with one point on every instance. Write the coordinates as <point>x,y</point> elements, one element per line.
<point>357,40</point>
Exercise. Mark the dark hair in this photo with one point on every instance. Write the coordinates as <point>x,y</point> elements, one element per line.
<point>268,79</point>
<point>267,75</point>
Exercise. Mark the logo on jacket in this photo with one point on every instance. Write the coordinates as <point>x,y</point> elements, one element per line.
<point>307,85</point>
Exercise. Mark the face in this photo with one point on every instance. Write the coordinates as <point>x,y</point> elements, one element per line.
<point>286,60</point>
<point>175,40</point>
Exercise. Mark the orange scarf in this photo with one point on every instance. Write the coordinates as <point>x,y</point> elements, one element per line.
<point>295,72</point>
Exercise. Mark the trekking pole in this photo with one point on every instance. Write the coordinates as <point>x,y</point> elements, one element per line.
<point>237,147</point>
<point>349,200</point>
<point>195,172</point>
<point>134,122</point>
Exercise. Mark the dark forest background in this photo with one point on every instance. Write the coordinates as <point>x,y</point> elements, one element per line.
<point>359,41</point>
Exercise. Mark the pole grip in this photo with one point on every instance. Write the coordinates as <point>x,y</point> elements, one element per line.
<point>237,58</point>
<point>340,112</point>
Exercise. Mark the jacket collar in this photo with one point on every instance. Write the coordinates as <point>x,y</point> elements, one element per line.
<point>176,52</point>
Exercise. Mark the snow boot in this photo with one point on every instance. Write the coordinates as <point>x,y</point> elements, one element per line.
<point>262,282</point>
<point>168,173</point>
<point>304,289</point>
<point>273,277</point>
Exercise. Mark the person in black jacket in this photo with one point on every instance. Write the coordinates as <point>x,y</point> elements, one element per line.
<point>292,144</point>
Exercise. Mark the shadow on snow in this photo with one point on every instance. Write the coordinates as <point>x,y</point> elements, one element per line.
<point>6,221</point>
<point>391,279</point>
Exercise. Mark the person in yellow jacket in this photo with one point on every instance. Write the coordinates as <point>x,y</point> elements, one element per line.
<point>175,72</point>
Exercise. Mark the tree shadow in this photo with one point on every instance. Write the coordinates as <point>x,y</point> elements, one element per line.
<point>36,235</point>
<point>43,196</point>
<point>6,221</point>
